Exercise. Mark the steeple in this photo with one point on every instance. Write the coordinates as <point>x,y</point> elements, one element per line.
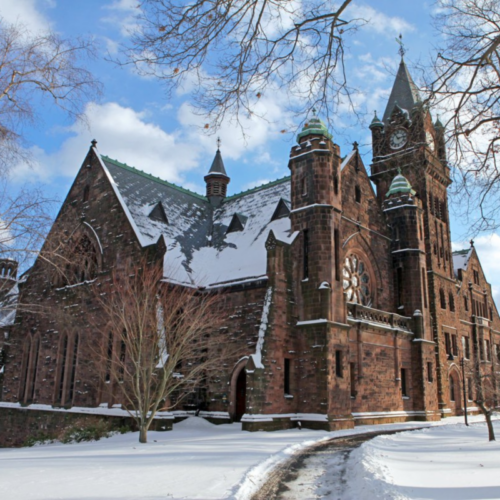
<point>404,92</point>
<point>217,179</point>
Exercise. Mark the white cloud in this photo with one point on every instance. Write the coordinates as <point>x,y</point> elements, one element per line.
<point>251,135</point>
<point>488,251</point>
<point>123,13</point>
<point>379,22</point>
<point>27,13</point>
<point>122,133</point>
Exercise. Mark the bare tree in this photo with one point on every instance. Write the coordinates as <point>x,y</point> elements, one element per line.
<point>467,89</point>
<point>159,342</point>
<point>482,380</point>
<point>233,52</point>
<point>34,69</point>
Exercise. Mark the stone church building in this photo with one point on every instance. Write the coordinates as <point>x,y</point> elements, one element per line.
<point>341,284</point>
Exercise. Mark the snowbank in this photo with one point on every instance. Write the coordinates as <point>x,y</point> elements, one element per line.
<point>440,463</point>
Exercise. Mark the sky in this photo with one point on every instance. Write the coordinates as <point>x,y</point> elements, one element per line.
<point>136,123</point>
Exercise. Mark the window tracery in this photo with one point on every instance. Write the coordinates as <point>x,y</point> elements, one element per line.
<point>356,281</point>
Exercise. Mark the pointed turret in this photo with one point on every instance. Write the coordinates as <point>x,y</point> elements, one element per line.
<point>404,92</point>
<point>217,179</point>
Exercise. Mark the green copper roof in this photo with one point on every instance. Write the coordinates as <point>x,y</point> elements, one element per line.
<point>438,123</point>
<point>400,184</point>
<point>314,126</point>
<point>376,122</point>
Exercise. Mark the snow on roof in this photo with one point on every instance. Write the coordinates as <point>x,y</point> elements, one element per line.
<point>8,305</point>
<point>347,159</point>
<point>200,252</point>
<point>461,259</point>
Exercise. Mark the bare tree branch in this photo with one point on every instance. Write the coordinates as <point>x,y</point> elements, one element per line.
<point>467,89</point>
<point>235,51</point>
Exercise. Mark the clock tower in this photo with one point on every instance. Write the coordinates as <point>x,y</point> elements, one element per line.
<point>407,141</point>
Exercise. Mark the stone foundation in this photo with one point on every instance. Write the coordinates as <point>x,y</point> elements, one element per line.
<point>17,425</point>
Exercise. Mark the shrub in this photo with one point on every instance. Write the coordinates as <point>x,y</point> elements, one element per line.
<point>82,430</point>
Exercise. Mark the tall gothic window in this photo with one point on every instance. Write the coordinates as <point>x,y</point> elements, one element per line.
<point>63,352</point>
<point>442,298</point>
<point>72,373</point>
<point>32,368</point>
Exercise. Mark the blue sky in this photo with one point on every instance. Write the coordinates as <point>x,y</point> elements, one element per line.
<point>135,123</point>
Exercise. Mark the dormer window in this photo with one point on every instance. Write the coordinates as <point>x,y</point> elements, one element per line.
<point>237,223</point>
<point>282,210</point>
<point>158,213</point>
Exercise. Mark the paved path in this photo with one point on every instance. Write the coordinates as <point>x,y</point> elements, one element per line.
<point>314,473</point>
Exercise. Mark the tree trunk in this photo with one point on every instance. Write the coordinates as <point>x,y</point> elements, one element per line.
<point>487,416</point>
<point>491,432</point>
<point>143,434</point>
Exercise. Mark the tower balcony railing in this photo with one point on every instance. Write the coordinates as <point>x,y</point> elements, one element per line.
<point>384,319</point>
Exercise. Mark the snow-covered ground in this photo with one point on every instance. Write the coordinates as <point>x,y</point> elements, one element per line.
<point>449,462</point>
<point>197,460</point>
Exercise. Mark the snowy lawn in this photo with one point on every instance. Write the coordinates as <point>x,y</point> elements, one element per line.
<point>449,462</point>
<point>197,460</point>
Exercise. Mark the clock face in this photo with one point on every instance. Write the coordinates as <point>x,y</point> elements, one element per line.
<point>398,139</point>
<point>429,138</point>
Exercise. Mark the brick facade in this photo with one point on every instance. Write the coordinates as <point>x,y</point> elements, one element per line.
<point>352,322</point>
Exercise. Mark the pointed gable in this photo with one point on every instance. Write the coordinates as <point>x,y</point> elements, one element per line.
<point>282,209</point>
<point>237,223</point>
<point>404,92</point>
<point>158,213</point>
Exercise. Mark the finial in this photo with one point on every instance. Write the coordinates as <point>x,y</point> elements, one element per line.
<point>355,145</point>
<point>399,171</point>
<point>218,143</point>
<point>314,111</point>
<point>93,142</point>
<point>402,50</point>
<point>471,243</point>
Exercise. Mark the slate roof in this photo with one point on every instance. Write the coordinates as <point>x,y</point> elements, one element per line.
<point>200,252</point>
<point>404,92</point>
<point>218,165</point>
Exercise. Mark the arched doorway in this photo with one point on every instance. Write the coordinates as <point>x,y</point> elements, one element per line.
<point>455,401</point>
<point>241,395</point>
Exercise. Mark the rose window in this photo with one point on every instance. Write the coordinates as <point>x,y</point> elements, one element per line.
<point>356,281</point>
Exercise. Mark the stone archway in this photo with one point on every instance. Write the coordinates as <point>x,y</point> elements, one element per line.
<point>238,390</point>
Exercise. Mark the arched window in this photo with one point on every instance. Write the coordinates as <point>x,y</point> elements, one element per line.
<point>335,184</point>
<point>25,369</point>
<point>442,298</point>
<point>86,193</point>
<point>357,192</point>
<point>32,369</point>
<point>109,358</point>
<point>72,373</point>
<point>451,301</point>
<point>61,372</point>
<point>452,388</point>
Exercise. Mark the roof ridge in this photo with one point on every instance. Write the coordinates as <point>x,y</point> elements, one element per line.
<point>152,177</point>
<point>258,188</point>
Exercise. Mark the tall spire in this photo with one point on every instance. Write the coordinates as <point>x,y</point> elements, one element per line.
<point>404,92</point>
